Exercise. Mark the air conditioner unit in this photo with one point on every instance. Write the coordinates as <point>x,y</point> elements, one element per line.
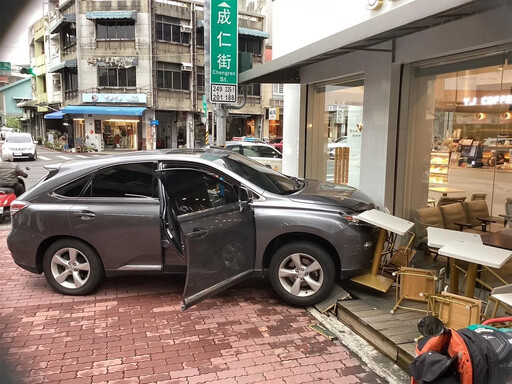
<point>186,28</point>
<point>186,67</point>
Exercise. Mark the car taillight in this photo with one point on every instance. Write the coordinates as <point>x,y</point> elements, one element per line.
<point>18,205</point>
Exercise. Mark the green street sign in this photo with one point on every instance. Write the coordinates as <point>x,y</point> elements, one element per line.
<point>5,67</point>
<point>224,51</point>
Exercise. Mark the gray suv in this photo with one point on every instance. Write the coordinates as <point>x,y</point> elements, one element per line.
<point>212,214</point>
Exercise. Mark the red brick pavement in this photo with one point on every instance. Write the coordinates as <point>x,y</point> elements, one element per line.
<point>132,331</point>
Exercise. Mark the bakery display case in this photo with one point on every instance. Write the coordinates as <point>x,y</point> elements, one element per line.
<point>439,162</point>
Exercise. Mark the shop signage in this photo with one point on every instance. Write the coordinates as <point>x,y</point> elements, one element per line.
<point>273,113</point>
<point>488,100</point>
<point>224,51</point>
<point>5,68</point>
<point>114,98</point>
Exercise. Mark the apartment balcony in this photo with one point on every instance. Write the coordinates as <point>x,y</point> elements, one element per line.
<point>173,100</point>
<point>105,6</point>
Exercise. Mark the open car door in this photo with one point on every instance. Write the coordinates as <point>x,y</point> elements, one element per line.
<point>217,229</point>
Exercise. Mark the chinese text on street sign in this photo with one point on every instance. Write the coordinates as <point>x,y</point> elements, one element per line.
<point>224,51</point>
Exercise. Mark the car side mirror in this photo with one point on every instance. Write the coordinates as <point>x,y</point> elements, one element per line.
<point>244,198</point>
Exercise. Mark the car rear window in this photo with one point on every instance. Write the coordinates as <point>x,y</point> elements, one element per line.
<point>125,180</point>
<point>18,139</point>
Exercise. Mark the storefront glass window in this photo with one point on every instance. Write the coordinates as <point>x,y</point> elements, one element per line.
<point>335,132</point>
<point>461,136</point>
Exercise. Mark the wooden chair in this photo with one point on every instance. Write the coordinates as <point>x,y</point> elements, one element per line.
<point>478,196</point>
<point>399,257</point>
<point>455,311</point>
<point>444,200</point>
<point>414,284</point>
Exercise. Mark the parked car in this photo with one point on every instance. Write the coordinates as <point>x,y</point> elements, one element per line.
<point>213,214</point>
<point>21,145</point>
<point>338,143</point>
<point>277,143</point>
<point>264,153</point>
<point>4,132</point>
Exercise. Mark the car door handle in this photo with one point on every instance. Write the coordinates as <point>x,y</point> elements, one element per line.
<point>198,233</point>
<point>85,214</point>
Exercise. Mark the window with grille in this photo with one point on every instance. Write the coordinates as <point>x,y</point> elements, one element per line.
<point>277,89</point>
<point>252,90</point>
<point>117,77</point>
<point>68,37</point>
<point>200,79</point>
<point>170,29</point>
<point>115,29</point>
<point>249,44</point>
<point>70,84</point>
<point>170,76</point>
<point>200,37</point>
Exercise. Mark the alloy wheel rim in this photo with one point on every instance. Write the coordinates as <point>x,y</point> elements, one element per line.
<point>70,268</point>
<point>301,275</point>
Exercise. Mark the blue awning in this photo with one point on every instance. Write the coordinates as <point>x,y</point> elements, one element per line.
<point>241,31</point>
<point>65,64</point>
<point>111,15</point>
<point>65,19</point>
<point>253,32</point>
<point>54,115</point>
<point>100,110</point>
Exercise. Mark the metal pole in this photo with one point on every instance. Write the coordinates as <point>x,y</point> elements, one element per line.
<point>221,125</point>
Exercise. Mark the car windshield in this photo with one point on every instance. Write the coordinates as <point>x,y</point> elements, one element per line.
<point>18,139</point>
<point>257,173</point>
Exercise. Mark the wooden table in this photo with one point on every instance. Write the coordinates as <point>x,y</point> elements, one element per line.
<point>475,254</point>
<point>385,222</point>
<point>501,239</point>
<point>446,190</point>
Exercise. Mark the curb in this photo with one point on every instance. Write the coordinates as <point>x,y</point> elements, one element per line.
<point>374,359</point>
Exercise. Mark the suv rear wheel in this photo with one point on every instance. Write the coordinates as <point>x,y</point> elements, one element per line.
<point>302,273</point>
<point>72,267</point>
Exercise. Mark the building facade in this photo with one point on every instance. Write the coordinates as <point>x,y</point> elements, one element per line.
<point>417,92</point>
<point>11,95</point>
<point>131,74</point>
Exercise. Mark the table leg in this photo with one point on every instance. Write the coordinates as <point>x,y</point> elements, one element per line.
<point>471,280</point>
<point>454,276</point>
<point>373,279</point>
<point>377,255</point>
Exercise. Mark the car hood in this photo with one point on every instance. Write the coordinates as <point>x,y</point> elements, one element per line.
<point>325,193</point>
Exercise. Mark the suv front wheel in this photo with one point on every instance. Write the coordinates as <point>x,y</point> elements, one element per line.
<point>302,273</point>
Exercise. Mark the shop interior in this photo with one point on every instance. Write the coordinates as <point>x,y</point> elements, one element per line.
<point>120,134</point>
<point>472,136</point>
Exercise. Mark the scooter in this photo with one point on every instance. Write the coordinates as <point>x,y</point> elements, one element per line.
<point>7,196</point>
<point>478,354</point>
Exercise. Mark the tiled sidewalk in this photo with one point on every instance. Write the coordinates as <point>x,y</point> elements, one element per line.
<point>132,331</point>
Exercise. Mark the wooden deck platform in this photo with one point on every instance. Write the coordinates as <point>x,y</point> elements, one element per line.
<point>368,313</point>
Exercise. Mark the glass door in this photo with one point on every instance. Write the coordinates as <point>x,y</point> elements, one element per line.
<point>335,131</point>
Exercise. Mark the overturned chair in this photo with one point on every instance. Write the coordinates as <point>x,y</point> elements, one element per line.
<point>414,284</point>
<point>455,311</point>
